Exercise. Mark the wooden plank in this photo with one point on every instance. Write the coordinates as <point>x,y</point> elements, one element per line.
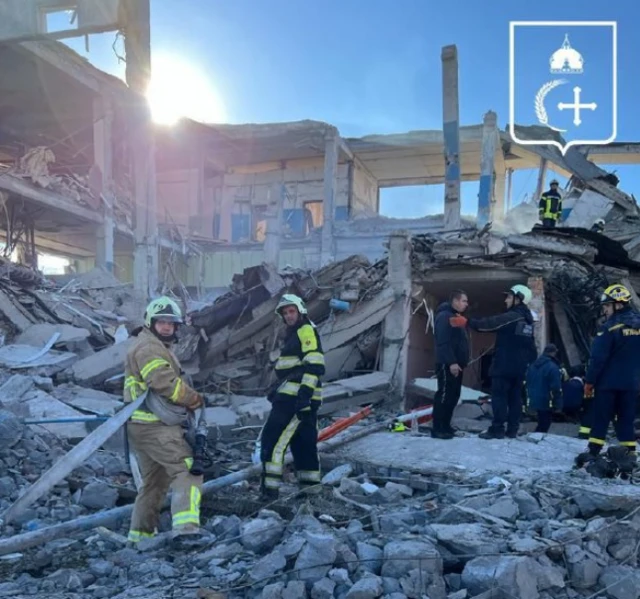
<point>568,342</point>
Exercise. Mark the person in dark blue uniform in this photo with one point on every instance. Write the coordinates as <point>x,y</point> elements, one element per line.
<point>515,349</point>
<point>613,374</point>
<point>544,387</point>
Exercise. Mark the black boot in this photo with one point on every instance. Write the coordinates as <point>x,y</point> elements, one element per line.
<point>436,434</point>
<point>492,433</point>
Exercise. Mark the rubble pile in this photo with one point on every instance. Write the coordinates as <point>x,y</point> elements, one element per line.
<point>533,536</point>
<point>38,164</point>
<point>229,343</point>
<point>26,452</point>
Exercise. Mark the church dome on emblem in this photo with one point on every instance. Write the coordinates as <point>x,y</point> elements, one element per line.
<point>566,60</point>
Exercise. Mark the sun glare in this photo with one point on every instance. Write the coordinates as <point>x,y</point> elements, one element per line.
<point>179,90</point>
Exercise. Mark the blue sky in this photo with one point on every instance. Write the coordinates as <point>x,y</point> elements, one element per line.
<point>373,66</point>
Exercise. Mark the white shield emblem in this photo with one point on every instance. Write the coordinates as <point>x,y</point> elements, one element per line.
<point>563,84</point>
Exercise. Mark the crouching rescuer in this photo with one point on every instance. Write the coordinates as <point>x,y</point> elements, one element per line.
<point>296,399</point>
<point>156,430</point>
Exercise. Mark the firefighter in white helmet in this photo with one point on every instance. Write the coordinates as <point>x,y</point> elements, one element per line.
<point>295,399</point>
<point>515,349</point>
<point>155,431</point>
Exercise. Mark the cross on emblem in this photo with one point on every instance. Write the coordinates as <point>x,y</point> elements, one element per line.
<point>576,106</point>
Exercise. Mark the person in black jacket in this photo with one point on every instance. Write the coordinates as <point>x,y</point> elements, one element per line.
<point>515,349</point>
<point>452,356</point>
<point>295,399</point>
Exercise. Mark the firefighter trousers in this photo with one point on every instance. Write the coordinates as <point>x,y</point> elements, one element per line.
<point>607,404</point>
<point>282,430</point>
<point>506,403</point>
<point>164,458</point>
<point>446,398</point>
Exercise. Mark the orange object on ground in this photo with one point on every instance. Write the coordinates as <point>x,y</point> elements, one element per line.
<point>337,427</point>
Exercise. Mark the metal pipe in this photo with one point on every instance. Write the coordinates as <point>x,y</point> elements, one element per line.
<point>66,420</point>
<point>107,518</point>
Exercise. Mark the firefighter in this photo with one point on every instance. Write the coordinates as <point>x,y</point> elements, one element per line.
<point>515,349</point>
<point>296,399</point>
<point>613,374</point>
<point>156,429</point>
<point>550,206</point>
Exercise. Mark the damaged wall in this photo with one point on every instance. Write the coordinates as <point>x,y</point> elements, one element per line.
<point>364,196</point>
<point>247,192</point>
<point>178,197</point>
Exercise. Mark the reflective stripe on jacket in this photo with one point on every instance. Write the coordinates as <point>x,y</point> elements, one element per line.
<point>550,205</point>
<point>300,365</point>
<point>150,364</point>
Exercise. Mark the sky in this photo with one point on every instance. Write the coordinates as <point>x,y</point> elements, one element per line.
<point>374,66</point>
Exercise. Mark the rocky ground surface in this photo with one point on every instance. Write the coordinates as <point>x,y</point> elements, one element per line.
<point>548,536</point>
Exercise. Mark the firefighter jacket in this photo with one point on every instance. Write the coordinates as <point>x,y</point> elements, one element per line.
<point>614,363</point>
<point>299,368</point>
<point>515,345</point>
<point>151,366</point>
<point>550,205</point>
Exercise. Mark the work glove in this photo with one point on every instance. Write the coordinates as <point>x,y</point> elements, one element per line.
<point>458,322</point>
<point>193,402</point>
<point>588,391</point>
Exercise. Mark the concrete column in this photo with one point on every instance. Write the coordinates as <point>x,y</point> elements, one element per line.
<point>395,338</point>
<point>538,305</point>
<point>486,198</point>
<point>509,176</point>
<point>273,233</point>
<point>103,163</point>
<point>542,175</point>
<point>330,190</point>
<point>451,132</point>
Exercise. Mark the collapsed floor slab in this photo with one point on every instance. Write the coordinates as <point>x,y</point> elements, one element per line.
<point>422,454</point>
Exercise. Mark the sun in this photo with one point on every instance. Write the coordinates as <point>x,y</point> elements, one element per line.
<point>179,90</point>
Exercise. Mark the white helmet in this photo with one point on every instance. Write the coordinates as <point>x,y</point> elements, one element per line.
<point>522,292</point>
<point>289,299</point>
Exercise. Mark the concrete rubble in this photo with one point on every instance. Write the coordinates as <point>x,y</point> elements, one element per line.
<point>404,516</point>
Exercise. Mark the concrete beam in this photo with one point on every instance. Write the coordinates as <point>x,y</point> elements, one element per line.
<point>397,322</point>
<point>82,73</point>
<point>509,176</point>
<point>451,130</point>
<point>330,190</point>
<point>434,180</point>
<point>47,199</point>
<point>486,197</point>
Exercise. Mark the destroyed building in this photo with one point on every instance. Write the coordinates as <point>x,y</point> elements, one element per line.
<point>243,208</point>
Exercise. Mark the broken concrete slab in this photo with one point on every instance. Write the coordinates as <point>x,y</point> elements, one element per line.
<point>88,400</point>
<point>97,368</point>
<point>221,421</point>
<point>252,410</point>
<point>14,313</point>
<point>428,388</point>
<point>37,335</point>
<point>463,454</point>
<point>40,405</point>
<point>34,360</point>
<point>15,387</point>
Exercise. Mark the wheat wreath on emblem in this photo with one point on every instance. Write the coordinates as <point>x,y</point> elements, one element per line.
<point>541,111</point>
